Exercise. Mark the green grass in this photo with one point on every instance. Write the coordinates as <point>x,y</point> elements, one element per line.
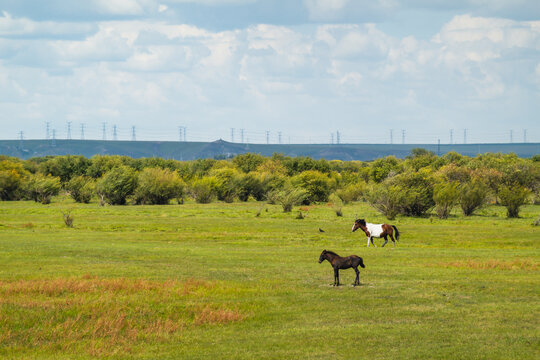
<point>215,281</point>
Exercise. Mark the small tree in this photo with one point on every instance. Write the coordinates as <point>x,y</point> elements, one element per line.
<point>42,188</point>
<point>351,192</point>
<point>158,186</point>
<point>117,184</point>
<point>473,195</point>
<point>204,190</point>
<point>81,188</point>
<point>513,197</point>
<point>446,197</point>
<point>288,197</point>
<point>317,185</point>
<point>386,198</point>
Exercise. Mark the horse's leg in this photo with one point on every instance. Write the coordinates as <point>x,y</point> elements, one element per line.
<point>357,280</point>
<point>392,238</point>
<point>371,238</point>
<point>385,240</point>
<point>368,241</point>
<point>336,277</point>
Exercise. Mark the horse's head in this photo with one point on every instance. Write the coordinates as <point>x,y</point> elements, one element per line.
<point>358,223</point>
<point>322,257</point>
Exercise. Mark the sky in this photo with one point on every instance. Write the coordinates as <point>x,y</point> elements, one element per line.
<point>303,71</point>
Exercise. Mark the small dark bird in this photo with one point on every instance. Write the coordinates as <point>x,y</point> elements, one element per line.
<point>321,230</point>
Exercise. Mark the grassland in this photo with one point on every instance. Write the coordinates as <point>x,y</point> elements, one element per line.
<point>215,281</point>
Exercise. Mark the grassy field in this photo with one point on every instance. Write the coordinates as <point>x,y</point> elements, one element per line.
<point>216,281</point>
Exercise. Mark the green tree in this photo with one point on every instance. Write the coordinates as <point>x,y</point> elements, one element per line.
<point>41,188</point>
<point>248,162</point>
<point>288,197</point>
<point>158,186</point>
<point>81,188</point>
<point>472,196</point>
<point>382,168</point>
<point>117,184</point>
<point>386,198</point>
<point>513,197</point>
<point>204,190</point>
<point>12,175</point>
<point>317,185</point>
<point>445,195</point>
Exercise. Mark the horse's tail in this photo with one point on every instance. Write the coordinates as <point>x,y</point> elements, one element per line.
<point>362,262</point>
<point>397,232</point>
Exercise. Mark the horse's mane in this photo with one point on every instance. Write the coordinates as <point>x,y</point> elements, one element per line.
<point>331,252</point>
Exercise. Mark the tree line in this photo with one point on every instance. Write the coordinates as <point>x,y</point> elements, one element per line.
<point>415,186</point>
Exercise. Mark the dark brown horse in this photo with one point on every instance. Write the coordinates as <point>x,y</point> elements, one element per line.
<point>376,230</point>
<point>339,262</point>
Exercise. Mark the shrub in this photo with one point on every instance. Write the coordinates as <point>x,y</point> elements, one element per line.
<point>473,195</point>
<point>288,197</point>
<point>513,197</point>
<point>11,179</point>
<point>383,168</point>
<point>446,197</point>
<point>117,184</point>
<point>204,190</point>
<point>248,162</point>
<point>249,185</point>
<point>351,192</point>
<point>226,180</point>
<point>417,192</point>
<point>158,186</point>
<point>386,198</point>
<point>316,185</point>
<point>68,218</point>
<point>41,188</point>
<point>81,188</point>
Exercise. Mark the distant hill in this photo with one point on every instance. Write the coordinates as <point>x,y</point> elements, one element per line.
<point>219,149</point>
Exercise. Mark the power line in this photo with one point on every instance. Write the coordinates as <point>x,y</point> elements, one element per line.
<point>242,136</point>
<point>104,131</point>
<point>232,135</point>
<point>82,131</point>
<point>47,124</point>
<point>279,137</point>
<point>464,136</point>
<point>69,130</point>
<point>332,138</point>
<point>338,137</point>
<point>21,138</point>
<point>511,136</point>
<point>524,135</point>
<point>391,136</point>
<point>451,136</point>
<point>133,137</point>
<point>114,133</point>
<point>403,136</point>
<point>267,137</point>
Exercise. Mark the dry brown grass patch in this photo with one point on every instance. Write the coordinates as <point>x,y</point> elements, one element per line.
<point>104,316</point>
<point>516,264</point>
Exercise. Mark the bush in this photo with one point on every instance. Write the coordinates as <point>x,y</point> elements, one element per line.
<point>81,188</point>
<point>248,162</point>
<point>317,185</point>
<point>117,184</point>
<point>226,180</point>
<point>249,185</point>
<point>446,196</point>
<point>41,188</point>
<point>383,168</point>
<point>473,195</point>
<point>158,186</point>
<point>11,179</point>
<point>288,197</point>
<point>351,192</point>
<point>512,197</point>
<point>386,198</point>
<point>417,188</point>
<point>204,190</point>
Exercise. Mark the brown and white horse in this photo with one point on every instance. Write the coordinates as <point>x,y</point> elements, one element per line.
<point>376,230</point>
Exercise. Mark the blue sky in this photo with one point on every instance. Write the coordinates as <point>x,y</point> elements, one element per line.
<point>305,68</point>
